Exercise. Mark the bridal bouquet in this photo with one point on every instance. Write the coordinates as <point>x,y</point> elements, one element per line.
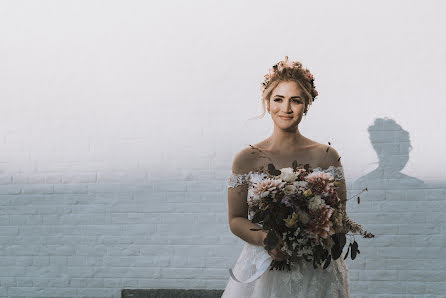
<point>301,206</point>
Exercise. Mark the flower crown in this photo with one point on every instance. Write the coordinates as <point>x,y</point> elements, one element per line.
<point>288,64</point>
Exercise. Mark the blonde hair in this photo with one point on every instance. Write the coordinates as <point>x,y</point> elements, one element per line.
<point>285,71</point>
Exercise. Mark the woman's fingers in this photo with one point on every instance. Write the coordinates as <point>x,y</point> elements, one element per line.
<point>277,254</point>
<point>273,254</point>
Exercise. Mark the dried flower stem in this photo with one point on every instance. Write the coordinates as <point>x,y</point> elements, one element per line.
<point>365,189</point>
<point>351,226</point>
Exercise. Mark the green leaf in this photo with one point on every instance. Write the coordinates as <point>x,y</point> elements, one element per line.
<point>273,171</point>
<point>339,243</point>
<point>294,165</point>
<point>268,222</point>
<point>342,240</point>
<point>271,240</point>
<point>348,250</point>
<point>354,249</point>
<point>258,217</point>
<point>336,251</point>
<point>327,262</point>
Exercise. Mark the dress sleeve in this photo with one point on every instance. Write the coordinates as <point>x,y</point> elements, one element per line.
<point>235,180</point>
<point>336,172</point>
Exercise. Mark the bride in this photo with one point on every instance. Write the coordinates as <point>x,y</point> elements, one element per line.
<point>288,91</point>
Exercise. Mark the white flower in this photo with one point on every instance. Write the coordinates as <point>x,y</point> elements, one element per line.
<point>267,186</point>
<point>301,186</point>
<point>300,183</point>
<point>316,203</point>
<point>316,175</point>
<point>255,197</point>
<point>288,175</point>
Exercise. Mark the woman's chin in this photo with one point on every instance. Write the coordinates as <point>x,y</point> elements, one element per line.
<point>286,127</point>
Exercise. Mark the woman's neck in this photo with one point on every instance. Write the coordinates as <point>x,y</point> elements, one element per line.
<point>285,142</point>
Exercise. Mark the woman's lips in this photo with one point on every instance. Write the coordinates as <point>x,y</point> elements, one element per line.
<point>286,118</point>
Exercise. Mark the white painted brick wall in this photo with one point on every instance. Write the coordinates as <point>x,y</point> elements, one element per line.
<point>92,234</point>
<point>75,230</point>
<point>406,258</point>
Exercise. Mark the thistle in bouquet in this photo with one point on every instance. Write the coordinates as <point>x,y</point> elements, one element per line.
<point>300,208</point>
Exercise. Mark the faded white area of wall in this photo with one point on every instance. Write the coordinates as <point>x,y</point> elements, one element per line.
<point>119,122</point>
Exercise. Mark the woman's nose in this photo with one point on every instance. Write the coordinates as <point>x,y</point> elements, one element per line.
<point>287,108</point>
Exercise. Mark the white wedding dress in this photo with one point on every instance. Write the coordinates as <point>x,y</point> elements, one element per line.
<point>302,281</point>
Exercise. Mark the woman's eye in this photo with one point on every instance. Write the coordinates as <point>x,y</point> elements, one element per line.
<point>295,100</point>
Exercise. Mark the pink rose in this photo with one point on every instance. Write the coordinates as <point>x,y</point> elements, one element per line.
<point>309,75</point>
<point>271,72</point>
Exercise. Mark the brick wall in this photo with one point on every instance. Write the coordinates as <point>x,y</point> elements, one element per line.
<point>72,234</point>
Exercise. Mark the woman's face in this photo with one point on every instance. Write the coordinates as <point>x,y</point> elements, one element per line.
<point>286,100</point>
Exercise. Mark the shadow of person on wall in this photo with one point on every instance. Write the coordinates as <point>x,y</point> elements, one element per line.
<point>392,146</point>
<point>407,217</point>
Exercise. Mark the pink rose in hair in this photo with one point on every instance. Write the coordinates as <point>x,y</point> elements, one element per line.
<point>289,63</point>
<point>271,72</point>
<point>309,75</point>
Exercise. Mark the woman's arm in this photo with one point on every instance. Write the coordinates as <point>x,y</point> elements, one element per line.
<point>332,158</point>
<point>238,220</point>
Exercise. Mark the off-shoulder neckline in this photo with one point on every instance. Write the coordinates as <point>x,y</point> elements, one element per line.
<point>317,168</point>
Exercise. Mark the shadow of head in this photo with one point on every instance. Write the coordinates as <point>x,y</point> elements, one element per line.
<point>391,143</point>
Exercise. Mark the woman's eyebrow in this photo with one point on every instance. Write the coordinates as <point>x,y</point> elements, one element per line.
<point>284,96</point>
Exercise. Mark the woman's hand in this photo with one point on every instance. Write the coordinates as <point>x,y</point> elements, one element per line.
<point>276,253</point>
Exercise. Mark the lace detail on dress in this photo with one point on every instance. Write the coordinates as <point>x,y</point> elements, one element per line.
<point>337,172</point>
<point>235,180</point>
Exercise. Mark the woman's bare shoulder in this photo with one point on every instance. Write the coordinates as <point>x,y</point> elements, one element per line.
<point>328,156</point>
<point>245,160</point>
